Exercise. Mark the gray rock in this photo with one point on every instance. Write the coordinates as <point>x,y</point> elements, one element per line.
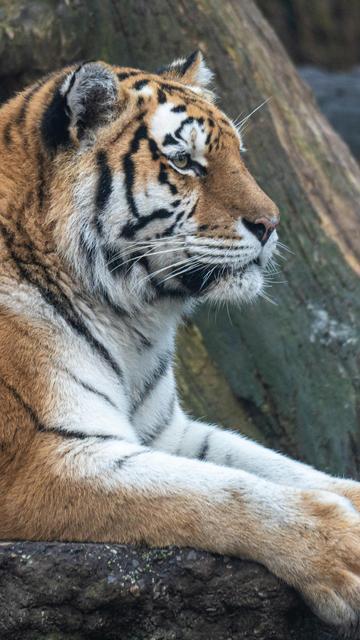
<point>62,591</point>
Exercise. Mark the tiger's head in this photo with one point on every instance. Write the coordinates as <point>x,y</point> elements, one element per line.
<point>149,195</point>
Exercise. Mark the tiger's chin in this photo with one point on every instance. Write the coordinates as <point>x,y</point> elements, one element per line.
<point>238,288</point>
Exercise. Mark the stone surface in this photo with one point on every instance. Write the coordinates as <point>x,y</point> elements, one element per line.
<point>114,592</point>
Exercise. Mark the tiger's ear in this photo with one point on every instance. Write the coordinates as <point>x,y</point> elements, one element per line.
<point>87,99</point>
<point>191,71</point>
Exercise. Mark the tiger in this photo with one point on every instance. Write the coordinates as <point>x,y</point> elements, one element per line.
<point>125,203</point>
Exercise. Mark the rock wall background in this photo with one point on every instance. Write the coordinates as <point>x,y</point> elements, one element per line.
<point>324,33</point>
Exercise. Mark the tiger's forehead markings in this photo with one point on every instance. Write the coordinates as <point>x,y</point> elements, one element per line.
<point>128,73</point>
<point>175,129</point>
<point>181,99</point>
<point>142,87</point>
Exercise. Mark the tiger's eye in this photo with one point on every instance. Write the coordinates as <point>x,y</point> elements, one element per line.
<point>181,161</point>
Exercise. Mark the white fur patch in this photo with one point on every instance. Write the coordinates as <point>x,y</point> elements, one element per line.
<point>204,75</point>
<point>193,134</point>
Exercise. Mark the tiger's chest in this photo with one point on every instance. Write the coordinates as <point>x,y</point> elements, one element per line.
<point>144,356</point>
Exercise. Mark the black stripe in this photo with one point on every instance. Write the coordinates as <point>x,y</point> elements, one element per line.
<point>53,295</point>
<point>72,80</point>
<point>115,262</point>
<point>154,149</point>
<point>161,425</point>
<point>91,389</point>
<point>169,139</point>
<point>20,118</point>
<point>120,311</point>
<point>164,179</point>
<point>89,253</point>
<point>171,228</point>
<point>189,96</point>
<point>145,342</point>
<point>79,435</point>
<point>198,279</point>
<point>193,210</point>
<point>167,292</point>
<point>204,448</point>
<point>7,134</point>
<point>27,408</point>
<point>120,463</point>
<point>127,74</point>
<point>160,289</point>
<point>128,166</point>
<point>115,308</point>
<point>123,129</point>
<point>189,61</point>
<point>199,169</point>
<point>179,108</point>
<point>178,131</point>
<point>41,180</point>
<point>104,187</point>
<point>129,230</point>
<point>55,123</point>
<point>39,425</point>
<point>161,96</point>
<point>153,380</point>
<point>140,84</point>
<point>170,88</point>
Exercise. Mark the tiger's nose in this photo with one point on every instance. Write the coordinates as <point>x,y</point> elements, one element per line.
<point>262,228</point>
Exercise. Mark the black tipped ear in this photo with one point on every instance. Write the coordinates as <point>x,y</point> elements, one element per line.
<point>86,100</point>
<point>90,94</point>
<point>192,70</point>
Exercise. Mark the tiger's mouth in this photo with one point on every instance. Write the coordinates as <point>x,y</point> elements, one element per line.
<point>200,279</point>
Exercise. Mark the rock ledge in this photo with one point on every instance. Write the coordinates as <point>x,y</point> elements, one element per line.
<point>115,592</point>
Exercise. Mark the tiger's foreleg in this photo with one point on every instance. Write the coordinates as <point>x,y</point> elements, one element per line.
<point>193,439</point>
<point>112,490</point>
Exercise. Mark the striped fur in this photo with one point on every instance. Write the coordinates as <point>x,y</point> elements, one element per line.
<point>124,201</point>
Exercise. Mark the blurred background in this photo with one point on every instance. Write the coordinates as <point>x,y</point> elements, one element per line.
<point>323,39</point>
<point>287,370</point>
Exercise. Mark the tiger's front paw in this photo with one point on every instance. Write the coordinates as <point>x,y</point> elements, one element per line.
<point>348,489</point>
<point>324,558</point>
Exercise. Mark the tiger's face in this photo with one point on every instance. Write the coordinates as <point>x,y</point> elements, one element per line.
<point>150,194</point>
